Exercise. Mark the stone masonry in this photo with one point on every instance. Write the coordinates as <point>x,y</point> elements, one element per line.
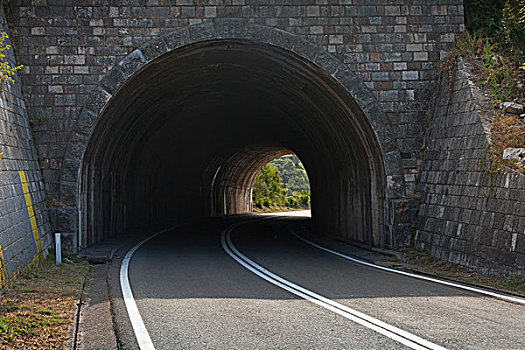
<point>68,46</point>
<point>468,214</point>
<point>17,241</point>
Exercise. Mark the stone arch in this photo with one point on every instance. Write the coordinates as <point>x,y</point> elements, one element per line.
<point>230,29</point>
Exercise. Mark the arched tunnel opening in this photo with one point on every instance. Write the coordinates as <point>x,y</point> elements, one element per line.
<point>185,136</point>
<point>281,184</point>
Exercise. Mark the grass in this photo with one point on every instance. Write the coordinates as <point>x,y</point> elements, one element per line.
<point>507,131</point>
<point>498,73</point>
<point>36,310</point>
<point>425,262</point>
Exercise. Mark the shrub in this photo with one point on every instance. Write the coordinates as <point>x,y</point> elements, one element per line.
<point>483,17</point>
<point>513,27</point>
<point>7,71</point>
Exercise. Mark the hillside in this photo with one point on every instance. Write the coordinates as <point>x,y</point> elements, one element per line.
<point>494,47</point>
<point>282,184</point>
<point>293,174</point>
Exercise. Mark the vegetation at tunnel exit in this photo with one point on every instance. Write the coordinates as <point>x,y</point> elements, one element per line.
<point>282,184</point>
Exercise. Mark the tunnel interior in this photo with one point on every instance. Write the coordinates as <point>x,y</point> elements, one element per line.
<point>186,135</point>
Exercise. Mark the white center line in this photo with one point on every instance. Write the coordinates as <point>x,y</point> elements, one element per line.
<point>397,334</point>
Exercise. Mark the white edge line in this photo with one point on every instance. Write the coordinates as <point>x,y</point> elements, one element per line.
<point>141,333</point>
<point>435,280</point>
<point>381,327</point>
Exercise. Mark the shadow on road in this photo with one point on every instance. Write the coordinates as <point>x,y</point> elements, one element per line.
<point>190,263</point>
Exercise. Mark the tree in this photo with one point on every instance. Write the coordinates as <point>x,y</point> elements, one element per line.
<point>282,183</point>
<point>292,172</point>
<point>267,189</point>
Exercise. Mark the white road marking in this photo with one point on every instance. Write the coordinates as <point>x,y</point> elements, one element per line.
<point>381,327</point>
<point>426,278</point>
<point>141,333</point>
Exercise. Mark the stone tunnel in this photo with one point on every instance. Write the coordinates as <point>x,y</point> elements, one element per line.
<point>130,113</point>
<point>186,133</point>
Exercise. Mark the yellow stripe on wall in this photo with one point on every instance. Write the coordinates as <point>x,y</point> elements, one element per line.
<point>3,269</point>
<point>31,213</point>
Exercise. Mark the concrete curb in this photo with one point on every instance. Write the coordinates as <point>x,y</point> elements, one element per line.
<point>95,326</point>
<point>95,309</point>
<point>76,309</point>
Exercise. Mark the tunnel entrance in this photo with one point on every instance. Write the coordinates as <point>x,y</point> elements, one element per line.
<point>186,133</point>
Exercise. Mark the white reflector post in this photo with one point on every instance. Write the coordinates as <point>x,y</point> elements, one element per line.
<point>58,248</point>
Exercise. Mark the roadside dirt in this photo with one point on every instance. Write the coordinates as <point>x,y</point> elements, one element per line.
<point>38,308</point>
<point>412,259</point>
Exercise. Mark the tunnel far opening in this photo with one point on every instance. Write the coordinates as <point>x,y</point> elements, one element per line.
<point>281,185</point>
<point>260,179</point>
<point>186,135</point>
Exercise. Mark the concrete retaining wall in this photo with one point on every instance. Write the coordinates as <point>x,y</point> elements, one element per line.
<point>24,224</point>
<point>468,215</point>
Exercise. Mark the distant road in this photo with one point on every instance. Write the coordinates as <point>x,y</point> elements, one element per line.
<point>192,295</point>
<point>295,213</point>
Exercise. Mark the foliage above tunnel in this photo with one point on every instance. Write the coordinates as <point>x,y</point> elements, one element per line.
<point>494,48</point>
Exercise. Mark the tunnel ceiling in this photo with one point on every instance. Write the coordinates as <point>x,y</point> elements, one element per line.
<point>186,135</point>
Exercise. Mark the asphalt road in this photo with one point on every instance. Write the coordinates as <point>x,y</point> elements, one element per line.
<point>192,295</point>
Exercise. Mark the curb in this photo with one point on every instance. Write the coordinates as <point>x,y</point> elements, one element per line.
<point>72,334</point>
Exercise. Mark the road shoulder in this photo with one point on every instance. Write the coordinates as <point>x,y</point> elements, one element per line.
<point>95,328</point>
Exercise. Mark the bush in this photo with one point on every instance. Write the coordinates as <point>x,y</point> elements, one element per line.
<point>483,17</point>
<point>298,200</point>
<point>513,27</point>
<point>503,21</point>
<point>7,72</point>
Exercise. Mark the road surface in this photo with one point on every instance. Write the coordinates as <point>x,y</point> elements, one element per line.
<point>191,294</point>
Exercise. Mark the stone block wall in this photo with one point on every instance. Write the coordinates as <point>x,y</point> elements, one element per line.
<point>68,46</point>
<point>25,232</point>
<point>468,214</point>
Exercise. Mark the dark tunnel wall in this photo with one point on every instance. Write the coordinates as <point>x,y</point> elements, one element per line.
<point>185,136</point>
